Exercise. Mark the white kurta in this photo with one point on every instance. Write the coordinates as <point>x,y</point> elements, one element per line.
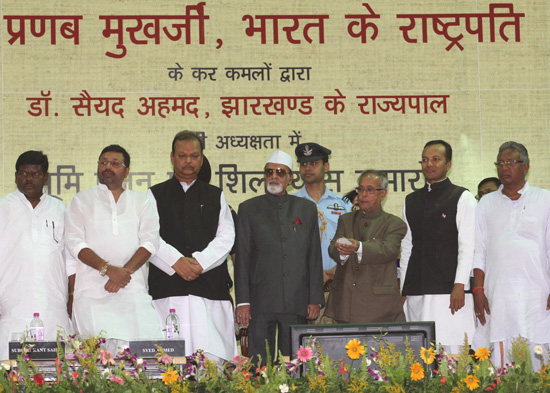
<point>33,273</point>
<point>114,231</point>
<point>513,249</point>
<point>449,328</point>
<point>205,324</point>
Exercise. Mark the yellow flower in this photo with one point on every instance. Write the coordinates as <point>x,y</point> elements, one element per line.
<point>417,372</point>
<point>357,385</point>
<point>472,382</point>
<point>394,389</point>
<point>427,355</point>
<point>318,383</point>
<point>355,349</point>
<point>483,354</point>
<point>170,376</point>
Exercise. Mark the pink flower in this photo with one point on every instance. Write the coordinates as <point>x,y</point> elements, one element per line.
<point>116,379</point>
<point>304,354</point>
<point>106,358</point>
<point>240,362</point>
<point>165,359</point>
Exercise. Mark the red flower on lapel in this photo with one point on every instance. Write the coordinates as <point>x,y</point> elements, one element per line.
<point>297,222</point>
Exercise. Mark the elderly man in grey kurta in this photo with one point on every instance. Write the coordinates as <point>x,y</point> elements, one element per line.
<point>278,269</point>
<point>365,246</point>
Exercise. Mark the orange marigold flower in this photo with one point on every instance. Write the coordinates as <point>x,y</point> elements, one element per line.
<point>471,382</point>
<point>355,349</point>
<point>417,372</point>
<point>427,355</point>
<point>482,353</point>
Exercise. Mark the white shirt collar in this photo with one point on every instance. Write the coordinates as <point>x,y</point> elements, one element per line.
<point>186,186</point>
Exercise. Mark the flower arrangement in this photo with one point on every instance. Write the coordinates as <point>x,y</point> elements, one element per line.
<point>86,367</point>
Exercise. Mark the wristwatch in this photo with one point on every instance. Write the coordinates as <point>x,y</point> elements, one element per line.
<point>103,270</point>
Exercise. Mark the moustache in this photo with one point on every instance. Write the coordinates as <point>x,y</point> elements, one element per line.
<point>274,182</point>
<point>107,171</point>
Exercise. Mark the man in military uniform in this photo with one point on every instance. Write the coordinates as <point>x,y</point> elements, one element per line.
<point>314,166</point>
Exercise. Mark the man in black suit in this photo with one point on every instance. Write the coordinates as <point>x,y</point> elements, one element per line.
<point>278,270</point>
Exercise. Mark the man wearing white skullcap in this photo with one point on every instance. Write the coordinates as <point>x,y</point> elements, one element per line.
<point>278,270</point>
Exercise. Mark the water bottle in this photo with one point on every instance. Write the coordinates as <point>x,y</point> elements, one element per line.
<point>37,328</point>
<point>172,325</point>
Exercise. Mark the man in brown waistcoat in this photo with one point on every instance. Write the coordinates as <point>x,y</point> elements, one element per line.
<point>366,246</point>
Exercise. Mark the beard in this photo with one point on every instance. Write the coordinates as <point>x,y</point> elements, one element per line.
<point>274,187</point>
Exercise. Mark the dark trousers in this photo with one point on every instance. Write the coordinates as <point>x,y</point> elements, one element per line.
<point>264,327</point>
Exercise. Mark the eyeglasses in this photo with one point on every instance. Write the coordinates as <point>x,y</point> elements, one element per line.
<point>507,163</point>
<point>32,175</point>
<point>368,190</point>
<point>280,172</point>
<point>114,164</point>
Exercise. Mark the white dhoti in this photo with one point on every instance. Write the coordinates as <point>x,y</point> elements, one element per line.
<point>449,329</point>
<point>204,324</point>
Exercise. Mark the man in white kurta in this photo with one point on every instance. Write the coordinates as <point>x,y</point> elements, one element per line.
<point>440,241</point>
<point>112,231</point>
<point>512,261</point>
<point>190,269</point>
<point>33,274</point>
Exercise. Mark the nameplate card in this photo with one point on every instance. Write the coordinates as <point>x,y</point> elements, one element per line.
<point>147,348</point>
<point>39,350</point>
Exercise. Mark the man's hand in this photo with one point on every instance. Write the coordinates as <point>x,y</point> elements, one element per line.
<point>457,298</point>
<point>111,287</point>
<point>70,293</point>
<point>313,311</point>
<point>70,306</point>
<point>347,249</point>
<point>120,276</point>
<point>187,268</point>
<point>481,305</point>
<point>329,274</point>
<point>242,315</point>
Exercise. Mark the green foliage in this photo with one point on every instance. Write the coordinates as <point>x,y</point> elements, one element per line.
<point>389,372</point>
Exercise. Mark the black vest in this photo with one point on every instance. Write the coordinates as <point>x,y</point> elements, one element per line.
<point>432,218</point>
<point>188,222</point>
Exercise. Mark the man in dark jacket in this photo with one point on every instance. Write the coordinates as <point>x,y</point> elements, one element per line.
<point>278,270</point>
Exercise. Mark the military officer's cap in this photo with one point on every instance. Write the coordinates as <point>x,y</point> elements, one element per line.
<point>307,152</point>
